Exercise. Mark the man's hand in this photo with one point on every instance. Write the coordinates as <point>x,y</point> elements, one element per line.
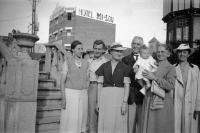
<point>196,113</point>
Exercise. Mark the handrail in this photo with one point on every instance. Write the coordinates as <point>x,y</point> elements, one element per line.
<point>55,56</point>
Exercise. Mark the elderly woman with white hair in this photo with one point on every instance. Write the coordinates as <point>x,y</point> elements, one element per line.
<point>187,92</point>
<point>113,84</point>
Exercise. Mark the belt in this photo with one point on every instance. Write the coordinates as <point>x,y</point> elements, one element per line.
<point>93,82</point>
<point>112,85</point>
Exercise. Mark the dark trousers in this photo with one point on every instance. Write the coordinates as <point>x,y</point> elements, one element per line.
<point>134,118</point>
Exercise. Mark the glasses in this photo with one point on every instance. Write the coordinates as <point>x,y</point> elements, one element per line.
<point>118,51</point>
<point>136,44</point>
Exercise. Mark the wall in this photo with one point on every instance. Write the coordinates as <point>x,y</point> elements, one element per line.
<point>84,29</point>
<point>88,30</point>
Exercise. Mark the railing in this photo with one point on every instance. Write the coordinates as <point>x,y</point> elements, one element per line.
<point>49,93</point>
<point>55,56</point>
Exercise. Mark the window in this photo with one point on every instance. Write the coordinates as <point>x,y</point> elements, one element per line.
<point>61,31</point>
<point>50,35</point>
<point>56,36</point>
<point>171,35</point>
<point>69,16</point>
<point>51,23</point>
<point>69,32</point>
<point>182,30</point>
<point>185,33</point>
<point>170,30</point>
<point>55,33</point>
<point>56,20</point>
<point>178,34</point>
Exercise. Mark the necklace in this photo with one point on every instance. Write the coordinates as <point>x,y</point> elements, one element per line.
<point>78,63</point>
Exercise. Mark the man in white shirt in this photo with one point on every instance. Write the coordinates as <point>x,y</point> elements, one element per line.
<point>95,63</point>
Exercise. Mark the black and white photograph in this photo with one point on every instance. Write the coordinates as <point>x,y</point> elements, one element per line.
<point>99,66</point>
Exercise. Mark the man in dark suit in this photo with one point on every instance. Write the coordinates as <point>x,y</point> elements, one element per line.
<point>135,96</point>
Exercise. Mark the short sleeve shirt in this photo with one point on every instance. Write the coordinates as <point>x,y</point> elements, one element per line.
<point>94,65</point>
<point>117,78</point>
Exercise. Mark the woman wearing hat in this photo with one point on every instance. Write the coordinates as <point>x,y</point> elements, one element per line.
<point>113,93</point>
<point>187,92</point>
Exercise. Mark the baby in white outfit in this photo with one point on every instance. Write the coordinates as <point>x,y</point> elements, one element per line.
<point>145,62</point>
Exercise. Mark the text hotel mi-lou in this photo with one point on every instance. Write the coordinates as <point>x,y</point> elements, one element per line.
<point>95,15</point>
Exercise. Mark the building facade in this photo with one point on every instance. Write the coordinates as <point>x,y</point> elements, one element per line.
<point>153,45</point>
<point>69,24</point>
<point>183,21</point>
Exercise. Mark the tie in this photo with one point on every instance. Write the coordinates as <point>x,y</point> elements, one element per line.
<point>136,56</point>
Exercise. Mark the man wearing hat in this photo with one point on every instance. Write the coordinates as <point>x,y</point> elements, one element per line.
<point>135,96</point>
<point>97,60</point>
<point>187,92</point>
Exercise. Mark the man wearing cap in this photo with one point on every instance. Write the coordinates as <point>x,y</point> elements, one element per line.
<point>187,92</point>
<point>95,63</point>
<point>135,96</point>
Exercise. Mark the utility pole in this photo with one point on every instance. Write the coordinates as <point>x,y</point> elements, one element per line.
<point>33,16</point>
<point>34,25</point>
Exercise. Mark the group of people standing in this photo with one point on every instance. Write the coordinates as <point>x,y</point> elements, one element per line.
<point>131,94</point>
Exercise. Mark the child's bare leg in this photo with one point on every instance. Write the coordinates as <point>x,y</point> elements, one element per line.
<point>143,84</point>
<point>147,83</point>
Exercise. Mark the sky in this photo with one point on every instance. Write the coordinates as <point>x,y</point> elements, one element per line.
<point>132,17</point>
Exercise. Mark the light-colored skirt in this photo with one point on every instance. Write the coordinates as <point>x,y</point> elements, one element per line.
<point>74,117</point>
<point>110,118</point>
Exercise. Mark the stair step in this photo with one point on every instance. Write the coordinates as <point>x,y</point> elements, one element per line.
<point>46,83</point>
<point>48,93</point>
<point>46,127</point>
<point>48,88</point>
<point>48,96</point>
<point>48,113</point>
<point>46,120</point>
<point>44,75</point>
<point>49,131</point>
<point>50,108</point>
<point>48,102</point>
<point>46,80</point>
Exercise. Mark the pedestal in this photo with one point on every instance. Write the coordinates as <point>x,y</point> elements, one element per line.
<point>20,117</point>
<point>21,96</point>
